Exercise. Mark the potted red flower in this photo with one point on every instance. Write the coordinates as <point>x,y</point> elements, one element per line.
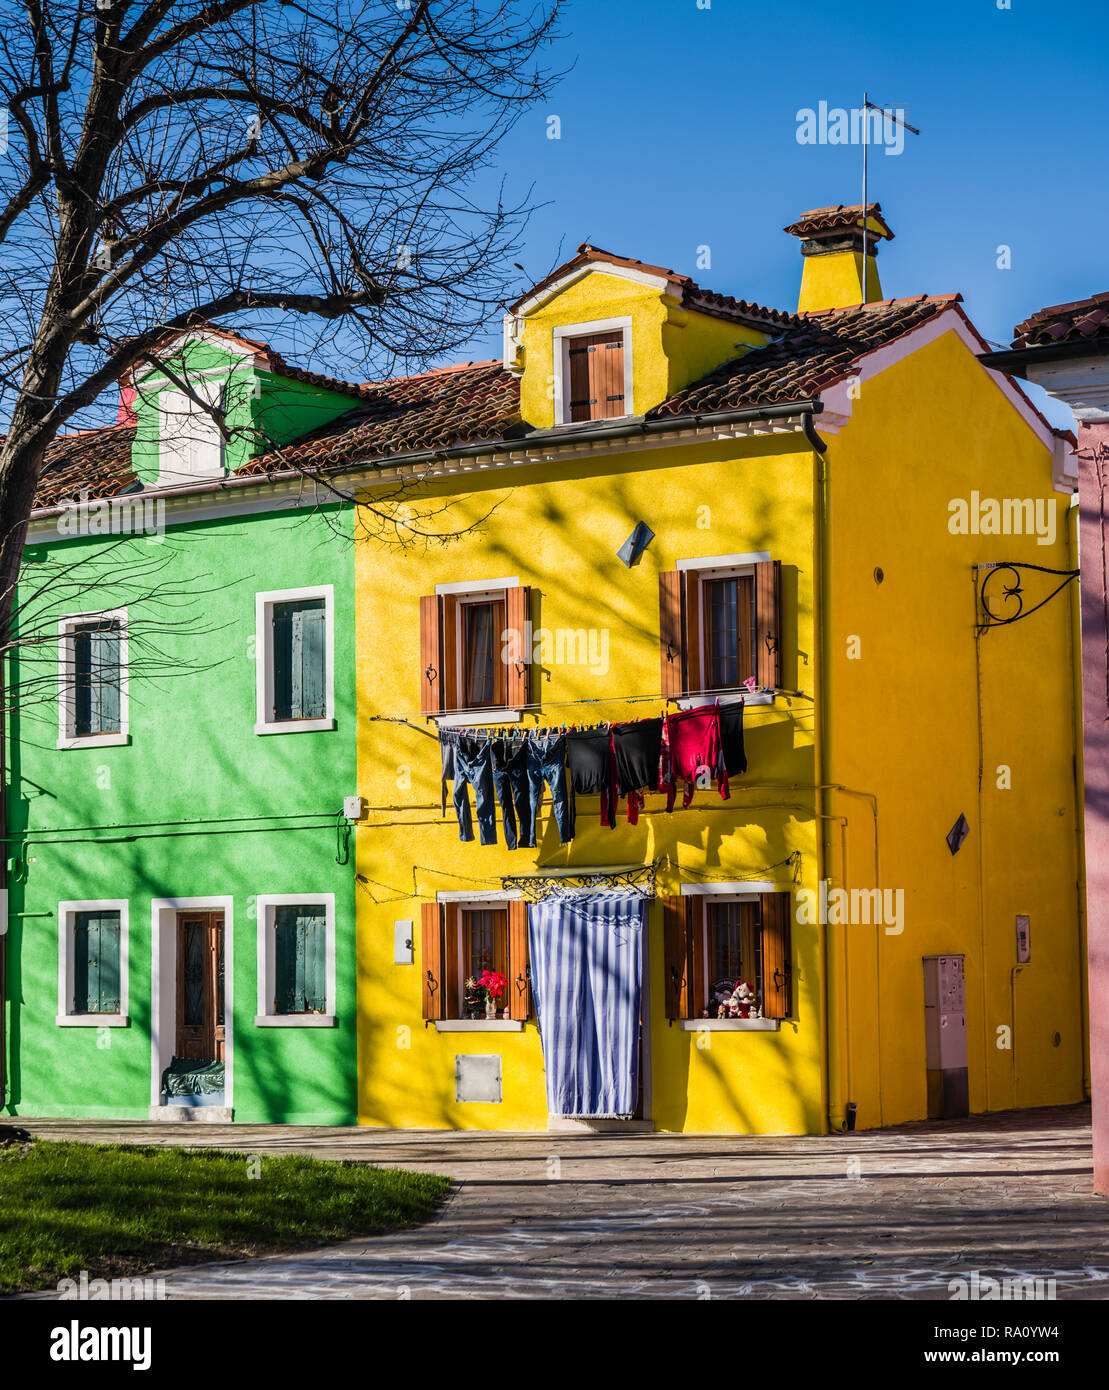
<point>495,985</point>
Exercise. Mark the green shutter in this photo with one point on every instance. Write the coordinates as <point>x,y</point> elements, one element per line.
<point>300,659</point>
<point>300,960</point>
<point>96,940</point>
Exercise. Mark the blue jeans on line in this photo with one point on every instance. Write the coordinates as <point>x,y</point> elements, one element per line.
<point>547,763</point>
<point>513,785</point>
<point>473,764</point>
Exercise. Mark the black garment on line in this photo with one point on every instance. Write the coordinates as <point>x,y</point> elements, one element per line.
<point>589,763</point>
<point>638,749</point>
<point>731,739</point>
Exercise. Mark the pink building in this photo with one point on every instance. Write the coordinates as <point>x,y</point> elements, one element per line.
<point>1065,349</point>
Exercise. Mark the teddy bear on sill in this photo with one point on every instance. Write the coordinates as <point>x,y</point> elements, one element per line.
<point>733,1000</point>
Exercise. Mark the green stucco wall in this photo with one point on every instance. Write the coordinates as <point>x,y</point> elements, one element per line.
<point>171,812</point>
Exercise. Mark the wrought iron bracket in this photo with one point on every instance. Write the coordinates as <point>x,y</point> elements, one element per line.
<point>1008,605</point>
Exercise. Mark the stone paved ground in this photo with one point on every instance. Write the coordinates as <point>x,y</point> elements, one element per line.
<point>887,1213</point>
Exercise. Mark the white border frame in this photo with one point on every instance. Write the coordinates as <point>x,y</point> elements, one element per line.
<point>66,1017</point>
<point>474,591</point>
<point>264,907</point>
<point>263,656</point>
<point>721,567</point>
<point>66,711</point>
<point>562,335</point>
<point>163,990</point>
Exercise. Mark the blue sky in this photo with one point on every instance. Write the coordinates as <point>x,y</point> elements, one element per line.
<point>679,129</point>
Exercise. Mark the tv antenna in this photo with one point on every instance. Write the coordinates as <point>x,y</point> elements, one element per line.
<point>888,115</point>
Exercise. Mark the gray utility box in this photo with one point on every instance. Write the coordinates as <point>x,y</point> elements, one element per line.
<point>945,1037</point>
<point>478,1078</point>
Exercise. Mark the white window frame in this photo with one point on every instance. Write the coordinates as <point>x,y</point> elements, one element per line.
<point>264,603</point>
<point>562,336</point>
<point>67,737</point>
<point>475,591</point>
<point>492,901</point>
<point>265,905</point>
<point>67,1017</point>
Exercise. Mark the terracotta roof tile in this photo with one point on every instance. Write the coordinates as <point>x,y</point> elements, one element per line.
<point>1083,320</point>
<point>842,215</point>
<point>479,402</point>
<point>803,361</point>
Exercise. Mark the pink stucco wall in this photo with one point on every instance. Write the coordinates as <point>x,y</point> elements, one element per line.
<point>1093,472</point>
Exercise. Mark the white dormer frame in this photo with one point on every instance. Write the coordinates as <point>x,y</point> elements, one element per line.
<point>563,336</point>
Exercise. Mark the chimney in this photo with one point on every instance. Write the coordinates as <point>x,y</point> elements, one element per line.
<point>125,415</point>
<point>832,245</point>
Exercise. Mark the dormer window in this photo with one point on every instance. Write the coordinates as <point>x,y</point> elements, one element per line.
<point>190,442</point>
<point>593,371</point>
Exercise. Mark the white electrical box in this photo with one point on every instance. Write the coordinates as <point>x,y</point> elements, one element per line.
<point>354,807</point>
<point>403,942</point>
<point>477,1079</point>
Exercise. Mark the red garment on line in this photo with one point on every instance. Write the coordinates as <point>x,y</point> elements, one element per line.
<point>692,742</point>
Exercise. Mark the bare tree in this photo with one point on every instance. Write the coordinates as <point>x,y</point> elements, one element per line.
<point>171,163</point>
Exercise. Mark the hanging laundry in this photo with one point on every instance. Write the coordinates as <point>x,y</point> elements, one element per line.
<point>547,764</point>
<point>637,751</point>
<point>512,784</point>
<point>731,739</point>
<point>448,741</point>
<point>592,770</point>
<point>692,745</point>
<point>473,766</point>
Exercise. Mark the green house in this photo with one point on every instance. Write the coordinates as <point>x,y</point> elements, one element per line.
<point>180,914</point>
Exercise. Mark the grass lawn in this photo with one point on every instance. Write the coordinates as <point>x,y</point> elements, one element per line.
<point>118,1211</point>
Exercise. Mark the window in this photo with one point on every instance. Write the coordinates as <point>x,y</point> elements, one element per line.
<point>295,642</point>
<point>92,680</point>
<point>191,444</point>
<point>593,378</point>
<point>712,943</point>
<point>296,960</point>
<point>475,651</point>
<point>92,963</point>
<point>483,671</point>
<point>459,941</point>
<point>719,625</point>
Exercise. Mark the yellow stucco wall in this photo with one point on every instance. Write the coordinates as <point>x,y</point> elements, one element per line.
<point>905,730</point>
<point>557,528</point>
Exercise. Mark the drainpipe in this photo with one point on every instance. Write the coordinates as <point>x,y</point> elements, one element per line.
<point>832,962</point>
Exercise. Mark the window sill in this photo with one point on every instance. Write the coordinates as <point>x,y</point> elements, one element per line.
<point>478,719</point>
<point>295,726</point>
<point>294,1021</point>
<point>729,1025</point>
<point>93,1021</point>
<point>95,741</point>
<point>479,1025</point>
<point>727,697</point>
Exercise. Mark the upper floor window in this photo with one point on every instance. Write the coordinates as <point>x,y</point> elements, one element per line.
<point>475,650</point>
<point>294,642</point>
<point>719,625</point>
<point>92,679</point>
<point>190,440</point>
<point>593,371</point>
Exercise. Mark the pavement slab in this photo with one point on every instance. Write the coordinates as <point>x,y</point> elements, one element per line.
<point>894,1213</point>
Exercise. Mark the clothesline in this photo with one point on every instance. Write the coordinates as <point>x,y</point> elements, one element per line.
<point>407,716</point>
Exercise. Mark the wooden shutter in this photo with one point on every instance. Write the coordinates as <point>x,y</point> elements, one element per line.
<point>581,402</point>
<point>431,677</point>
<point>451,675</point>
<point>768,633</point>
<point>596,385</point>
<point>309,660</point>
<point>300,960</point>
<point>698,963</point>
<point>517,645</point>
<point>519,977</point>
<point>675,937</point>
<point>776,959</point>
<point>748,943</point>
<point>694,679</point>
<point>671,643</point>
<point>431,960</point>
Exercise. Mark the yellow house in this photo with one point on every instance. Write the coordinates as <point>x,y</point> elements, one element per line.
<point>668,512</point>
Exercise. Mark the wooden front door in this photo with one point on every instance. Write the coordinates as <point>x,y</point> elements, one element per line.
<point>200,1027</point>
